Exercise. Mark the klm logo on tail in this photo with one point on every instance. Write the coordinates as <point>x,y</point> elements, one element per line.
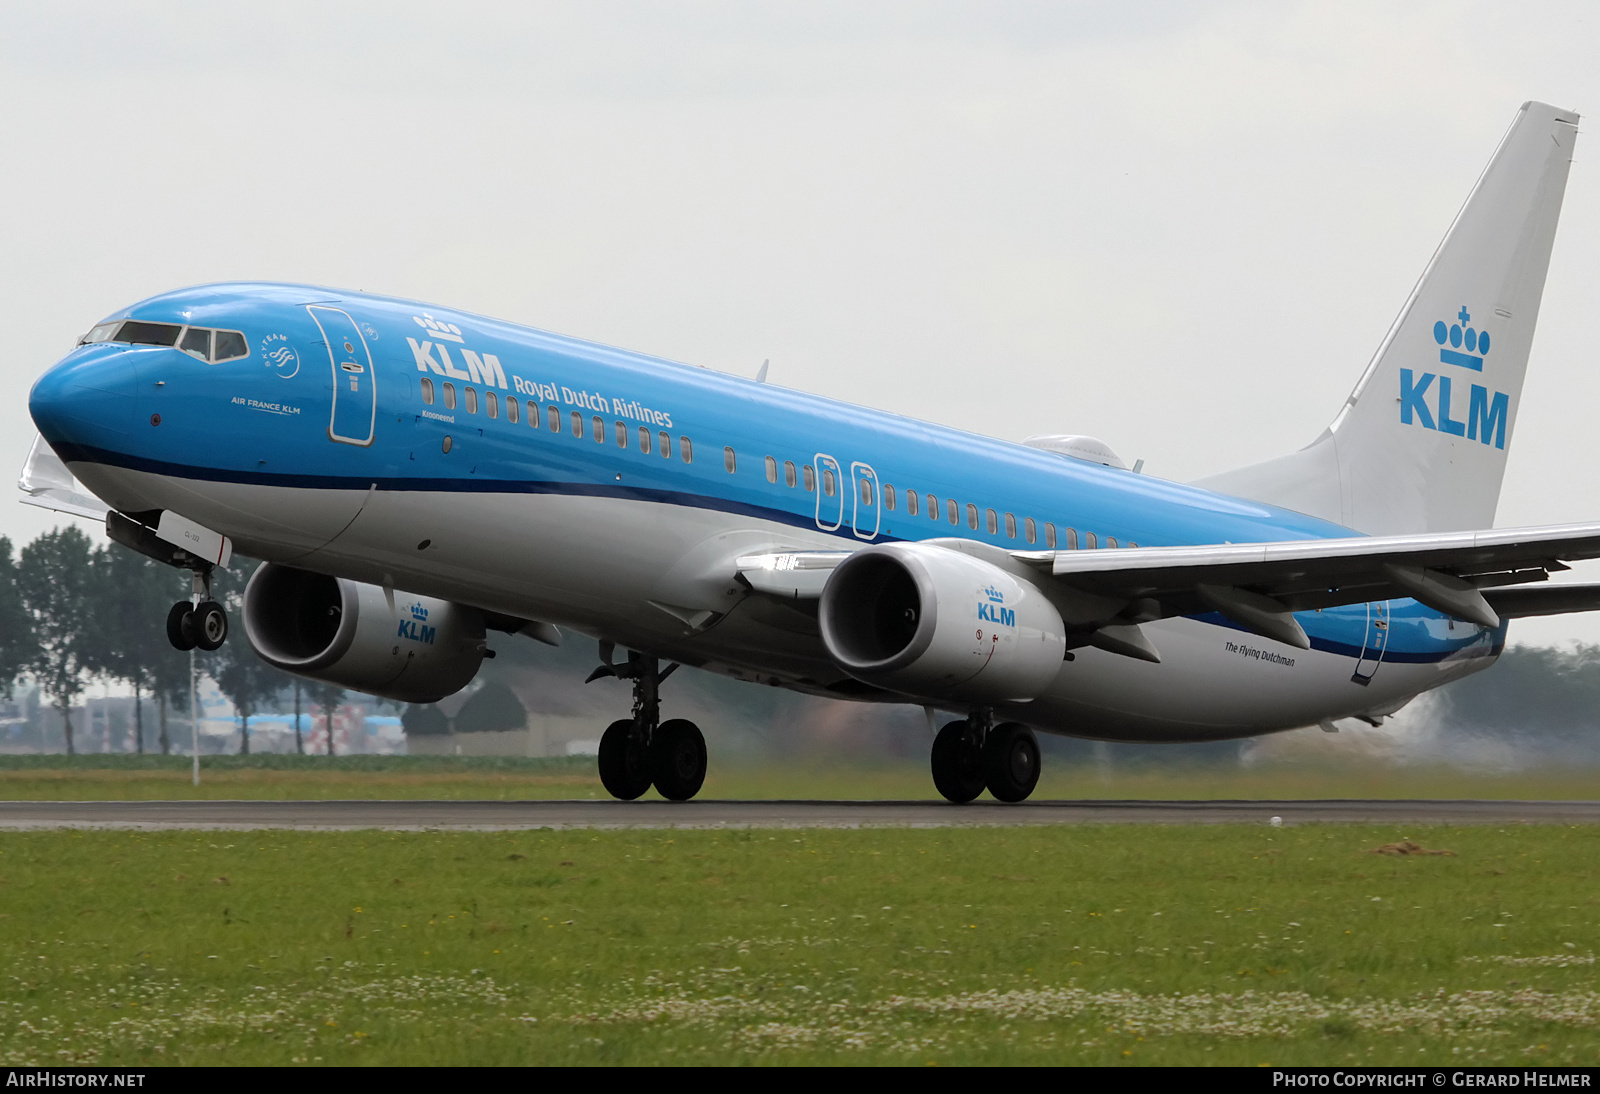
<point>1464,347</point>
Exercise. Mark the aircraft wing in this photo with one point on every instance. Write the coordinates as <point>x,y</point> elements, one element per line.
<point>46,482</point>
<point>1259,585</point>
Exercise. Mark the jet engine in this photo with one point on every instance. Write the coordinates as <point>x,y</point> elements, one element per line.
<point>929,621</point>
<point>398,645</point>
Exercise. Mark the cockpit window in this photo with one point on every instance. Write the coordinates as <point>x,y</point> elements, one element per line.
<point>200,342</point>
<point>228,345</point>
<point>196,341</point>
<point>148,334</point>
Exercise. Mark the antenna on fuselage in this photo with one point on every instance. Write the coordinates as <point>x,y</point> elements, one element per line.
<point>761,376</point>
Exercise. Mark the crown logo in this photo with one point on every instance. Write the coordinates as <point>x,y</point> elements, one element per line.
<point>418,611</point>
<point>994,595</point>
<point>447,332</point>
<point>1461,337</point>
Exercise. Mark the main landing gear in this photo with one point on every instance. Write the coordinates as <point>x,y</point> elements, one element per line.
<point>970,755</point>
<point>200,622</point>
<point>643,750</point>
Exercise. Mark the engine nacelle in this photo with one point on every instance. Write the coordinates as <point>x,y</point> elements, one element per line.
<point>929,621</point>
<point>407,647</point>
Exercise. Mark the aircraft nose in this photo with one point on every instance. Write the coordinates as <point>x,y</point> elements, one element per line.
<point>87,399</point>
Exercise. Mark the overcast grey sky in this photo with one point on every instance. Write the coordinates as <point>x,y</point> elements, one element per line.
<point>1180,227</point>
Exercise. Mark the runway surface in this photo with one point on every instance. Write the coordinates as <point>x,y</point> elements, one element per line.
<point>506,815</point>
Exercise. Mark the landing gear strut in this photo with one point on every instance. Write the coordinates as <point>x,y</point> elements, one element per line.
<point>636,752</point>
<point>199,622</point>
<point>970,755</point>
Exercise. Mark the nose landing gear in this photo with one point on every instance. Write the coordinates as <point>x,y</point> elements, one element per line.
<point>199,623</point>
<point>636,752</point>
<point>970,755</point>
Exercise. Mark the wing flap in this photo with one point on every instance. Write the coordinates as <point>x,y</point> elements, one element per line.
<point>1444,570</point>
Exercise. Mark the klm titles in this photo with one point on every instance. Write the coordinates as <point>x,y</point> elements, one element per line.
<point>432,355</point>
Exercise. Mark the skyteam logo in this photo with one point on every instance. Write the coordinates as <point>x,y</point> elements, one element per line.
<point>992,609</point>
<point>416,628</point>
<point>1464,347</point>
<point>278,355</point>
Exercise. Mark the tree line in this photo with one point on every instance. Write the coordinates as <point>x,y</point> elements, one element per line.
<point>72,613</point>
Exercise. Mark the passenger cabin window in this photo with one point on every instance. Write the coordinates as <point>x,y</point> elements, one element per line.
<point>1011,526</point>
<point>811,478</point>
<point>552,418</point>
<point>972,516</point>
<point>729,461</point>
<point>993,522</point>
<point>427,391</point>
<point>888,496</point>
<point>1030,529</point>
<point>598,429</point>
<point>1111,541</point>
<point>577,425</point>
<point>666,445</point>
<point>829,482</point>
<point>1050,536</point>
<point>493,402</point>
<point>866,491</point>
<point>686,449</point>
<point>1072,539</point>
<point>933,507</point>
<point>512,411</point>
<point>622,434</point>
<point>196,343</point>
<point>911,502</point>
<point>449,395</point>
<point>772,469</point>
<point>789,477</point>
<point>644,440</point>
<point>952,510</point>
<point>472,399</point>
<point>1088,541</point>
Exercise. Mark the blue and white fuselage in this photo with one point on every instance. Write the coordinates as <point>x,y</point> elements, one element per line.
<point>508,478</point>
<point>604,491</point>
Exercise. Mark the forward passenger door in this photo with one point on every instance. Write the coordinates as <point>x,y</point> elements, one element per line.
<point>355,387</point>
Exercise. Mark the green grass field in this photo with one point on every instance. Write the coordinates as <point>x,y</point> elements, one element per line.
<point>1100,945</point>
<point>121,777</point>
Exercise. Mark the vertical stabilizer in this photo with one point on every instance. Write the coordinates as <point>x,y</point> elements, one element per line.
<point>1421,443</point>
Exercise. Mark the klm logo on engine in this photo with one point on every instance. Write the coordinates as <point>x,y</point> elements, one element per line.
<point>416,628</point>
<point>992,609</point>
<point>1432,400</point>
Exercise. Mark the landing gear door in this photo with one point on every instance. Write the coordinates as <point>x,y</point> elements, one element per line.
<point>355,387</point>
<point>1376,642</point>
<point>867,504</point>
<point>830,493</point>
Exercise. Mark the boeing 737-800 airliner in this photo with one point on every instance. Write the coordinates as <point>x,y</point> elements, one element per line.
<point>412,475</point>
